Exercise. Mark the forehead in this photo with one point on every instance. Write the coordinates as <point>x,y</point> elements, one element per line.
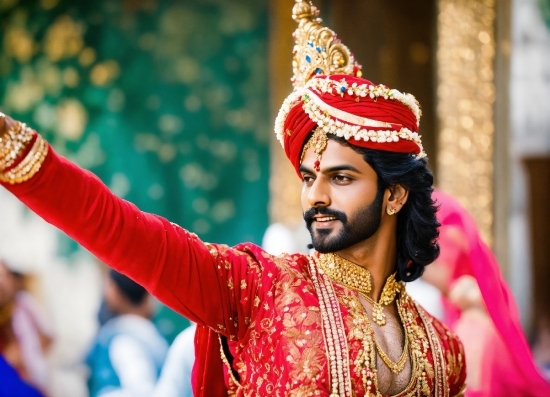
<point>338,155</point>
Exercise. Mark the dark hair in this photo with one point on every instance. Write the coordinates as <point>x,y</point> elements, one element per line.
<point>129,288</point>
<point>417,226</point>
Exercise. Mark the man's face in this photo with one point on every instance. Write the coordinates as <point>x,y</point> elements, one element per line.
<point>341,203</point>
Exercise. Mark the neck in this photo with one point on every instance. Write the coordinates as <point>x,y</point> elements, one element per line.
<point>377,254</point>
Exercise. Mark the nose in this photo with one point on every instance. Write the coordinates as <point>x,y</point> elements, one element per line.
<point>318,194</point>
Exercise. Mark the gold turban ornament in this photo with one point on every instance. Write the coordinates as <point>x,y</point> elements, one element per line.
<point>331,97</point>
<point>318,51</point>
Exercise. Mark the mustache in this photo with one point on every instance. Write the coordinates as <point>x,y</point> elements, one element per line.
<point>309,214</point>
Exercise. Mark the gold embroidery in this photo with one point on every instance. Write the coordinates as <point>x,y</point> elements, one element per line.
<point>441,388</point>
<point>212,249</point>
<point>229,369</point>
<point>29,165</point>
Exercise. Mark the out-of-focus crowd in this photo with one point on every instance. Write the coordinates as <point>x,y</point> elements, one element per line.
<point>127,358</point>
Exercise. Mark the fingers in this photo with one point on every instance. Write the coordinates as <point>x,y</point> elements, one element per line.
<point>6,123</point>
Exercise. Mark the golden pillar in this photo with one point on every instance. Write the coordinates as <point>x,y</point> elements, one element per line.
<point>465,99</point>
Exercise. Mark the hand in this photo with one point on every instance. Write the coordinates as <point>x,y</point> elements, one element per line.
<point>6,124</point>
<point>465,293</point>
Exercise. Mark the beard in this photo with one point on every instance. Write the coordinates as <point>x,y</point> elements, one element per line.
<point>360,226</point>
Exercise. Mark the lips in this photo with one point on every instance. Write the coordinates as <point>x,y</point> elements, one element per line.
<point>325,218</point>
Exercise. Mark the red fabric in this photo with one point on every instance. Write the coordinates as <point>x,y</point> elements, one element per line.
<point>298,125</point>
<point>264,305</point>
<point>208,372</point>
<point>161,256</point>
<point>509,368</point>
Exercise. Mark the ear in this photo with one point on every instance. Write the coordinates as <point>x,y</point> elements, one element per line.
<point>398,196</point>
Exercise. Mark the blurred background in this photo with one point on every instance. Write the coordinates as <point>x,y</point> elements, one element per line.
<point>171,103</point>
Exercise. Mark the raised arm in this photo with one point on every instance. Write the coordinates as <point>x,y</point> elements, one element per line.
<point>193,278</point>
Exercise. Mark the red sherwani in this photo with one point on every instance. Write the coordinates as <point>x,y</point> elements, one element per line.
<point>266,306</point>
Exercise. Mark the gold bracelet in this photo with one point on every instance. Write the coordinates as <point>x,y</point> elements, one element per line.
<point>29,166</point>
<point>7,143</point>
<point>13,144</point>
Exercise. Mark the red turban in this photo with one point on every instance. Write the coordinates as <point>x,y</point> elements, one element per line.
<point>367,115</point>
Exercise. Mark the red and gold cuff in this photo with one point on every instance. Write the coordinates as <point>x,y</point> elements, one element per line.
<point>22,152</point>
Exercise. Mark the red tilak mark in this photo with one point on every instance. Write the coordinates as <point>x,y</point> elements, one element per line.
<point>317,165</point>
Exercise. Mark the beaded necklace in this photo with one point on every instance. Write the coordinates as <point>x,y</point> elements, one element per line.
<point>416,340</point>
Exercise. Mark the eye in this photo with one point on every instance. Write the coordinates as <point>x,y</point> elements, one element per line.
<point>342,179</point>
<point>307,180</point>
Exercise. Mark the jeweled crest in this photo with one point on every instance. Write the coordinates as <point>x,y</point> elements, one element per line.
<point>317,50</point>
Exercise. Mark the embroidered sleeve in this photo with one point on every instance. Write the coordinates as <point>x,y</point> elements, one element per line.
<point>454,358</point>
<point>213,285</point>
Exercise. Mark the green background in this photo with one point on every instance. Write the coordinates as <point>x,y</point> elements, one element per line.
<point>166,101</point>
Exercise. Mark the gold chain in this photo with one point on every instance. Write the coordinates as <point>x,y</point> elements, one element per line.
<point>345,272</point>
<point>389,293</point>
<point>397,366</point>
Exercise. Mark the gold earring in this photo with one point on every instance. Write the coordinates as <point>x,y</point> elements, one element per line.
<point>390,210</point>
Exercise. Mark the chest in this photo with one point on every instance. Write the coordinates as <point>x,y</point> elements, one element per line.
<point>289,350</point>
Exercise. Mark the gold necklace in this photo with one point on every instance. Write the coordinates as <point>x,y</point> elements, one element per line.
<point>389,292</point>
<point>345,272</point>
<point>397,366</point>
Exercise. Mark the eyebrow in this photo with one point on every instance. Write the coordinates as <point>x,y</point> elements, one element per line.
<point>336,168</point>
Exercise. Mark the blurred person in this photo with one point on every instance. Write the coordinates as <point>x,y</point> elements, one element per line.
<point>25,333</point>
<point>478,305</point>
<point>175,378</point>
<point>128,351</point>
<point>337,322</point>
<point>541,346</point>
<point>11,384</point>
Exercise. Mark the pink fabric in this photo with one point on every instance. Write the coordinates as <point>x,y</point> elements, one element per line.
<point>509,369</point>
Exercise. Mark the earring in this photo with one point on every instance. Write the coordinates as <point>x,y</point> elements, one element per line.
<point>390,210</point>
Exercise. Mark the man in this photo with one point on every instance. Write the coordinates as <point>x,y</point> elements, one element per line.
<point>337,322</point>
<point>25,332</point>
<point>175,378</point>
<point>128,351</point>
